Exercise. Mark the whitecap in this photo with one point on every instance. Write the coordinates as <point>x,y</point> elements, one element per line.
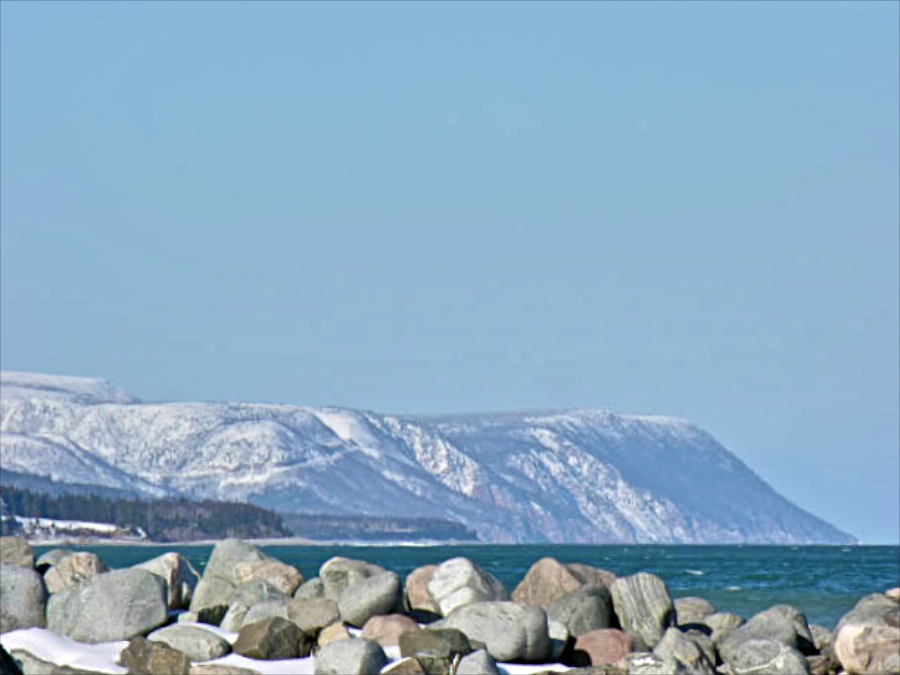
<point>733,589</point>
<point>696,573</point>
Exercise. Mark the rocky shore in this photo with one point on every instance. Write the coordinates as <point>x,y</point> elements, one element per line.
<point>67,614</point>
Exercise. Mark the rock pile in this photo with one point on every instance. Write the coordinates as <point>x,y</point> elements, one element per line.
<point>449,619</point>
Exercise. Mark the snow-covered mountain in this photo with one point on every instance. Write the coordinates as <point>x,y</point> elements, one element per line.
<point>569,475</point>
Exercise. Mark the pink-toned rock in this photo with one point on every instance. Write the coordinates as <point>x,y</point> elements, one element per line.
<point>604,645</point>
<point>546,582</point>
<point>386,629</point>
<point>591,575</point>
<point>893,594</point>
<point>333,633</point>
<point>417,595</point>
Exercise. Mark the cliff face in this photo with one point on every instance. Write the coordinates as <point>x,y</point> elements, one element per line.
<point>561,476</point>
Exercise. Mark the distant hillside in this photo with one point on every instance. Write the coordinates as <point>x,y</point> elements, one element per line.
<point>375,528</point>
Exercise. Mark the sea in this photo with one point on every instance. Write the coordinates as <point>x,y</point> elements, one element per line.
<point>824,582</point>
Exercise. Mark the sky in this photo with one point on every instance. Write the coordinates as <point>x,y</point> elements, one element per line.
<point>687,209</point>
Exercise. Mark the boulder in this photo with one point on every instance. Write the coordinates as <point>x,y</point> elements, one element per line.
<point>143,657</point>
<point>434,649</point>
<point>23,598</point>
<point>243,598</point>
<point>197,643</point>
<point>559,639</point>
<point>180,576</point>
<point>219,669</point>
<point>266,610</point>
<point>417,595</point>
<point>355,656</point>
<point>867,638</point>
<point>765,655</point>
<point>7,665</point>
<point>117,605</point>
<point>678,647</point>
<point>212,615</point>
<point>781,622</point>
<point>339,573</point>
<point>584,609</point>
<point>643,607</point>
<point>722,624</point>
<point>509,631</point>
<point>72,570</point>
<point>333,632</point>
<point>377,594</point>
<point>545,582</point>
<point>313,588</point>
<point>405,666</point>
<point>477,663</point>
<point>272,639</point>
<point>592,575</point>
<point>313,614</point>
<point>50,558</point>
<point>893,594</point>
<point>822,637</point>
<point>459,581</point>
<point>234,563</point>
<point>386,629</point>
<point>604,645</point>
<point>234,617</point>
<point>646,663</point>
<point>692,610</point>
<point>16,551</point>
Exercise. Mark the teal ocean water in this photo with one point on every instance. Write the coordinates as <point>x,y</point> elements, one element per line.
<point>824,582</point>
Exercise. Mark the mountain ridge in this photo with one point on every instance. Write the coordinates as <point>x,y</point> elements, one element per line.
<point>573,475</point>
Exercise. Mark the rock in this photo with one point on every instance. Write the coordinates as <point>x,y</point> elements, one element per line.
<point>781,622</point>
<point>678,647</point>
<point>243,598</point>
<point>417,595</point>
<point>143,657</point>
<point>643,607</point>
<point>545,582</point>
<point>313,614</point>
<point>377,594</point>
<point>234,563</point>
<point>117,605</point>
<point>23,598</point>
<point>604,645</point>
<point>584,609</point>
<point>50,558</point>
<point>219,669</point>
<point>459,581</point>
<point>722,624</point>
<point>386,629</point>
<point>821,664</point>
<point>266,610</point>
<point>7,665</point>
<point>72,570</point>
<point>434,649</point>
<point>314,588</point>
<point>644,663</point>
<point>509,631</point>
<point>822,637</point>
<point>893,593</point>
<point>16,551</point>
<point>339,573</point>
<point>180,576</point>
<point>477,663</point>
<point>867,638</point>
<point>333,632</point>
<point>407,666</point>
<point>272,639</point>
<point>197,643</point>
<point>350,657</point>
<point>692,610</point>
<point>559,639</point>
<point>190,617</point>
<point>212,616</point>
<point>592,575</point>
<point>765,655</point>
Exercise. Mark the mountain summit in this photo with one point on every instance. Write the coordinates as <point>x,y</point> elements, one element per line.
<point>562,476</point>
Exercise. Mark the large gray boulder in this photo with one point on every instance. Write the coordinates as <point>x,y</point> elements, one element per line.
<point>781,622</point>
<point>592,575</point>
<point>243,598</point>
<point>117,605</point>
<point>435,650</point>
<point>154,658</point>
<point>339,573</point>
<point>378,594</point>
<point>648,663</point>
<point>180,576</point>
<point>459,581</point>
<point>50,558</point>
<point>867,638</point>
<point>234,563</point>
<point>266,610</point>
<point>692,610</point>
<point>355,656</point>
<point>545,582</point>
<point>766,655</point>
<point>509,631</point>
<point>722,624</point>
<point>23,598</point>
<point>272,639</point>
<point>678,647</point>
<point>477,663</point>
<point>313,614</point>
<point>16,551</point>
<point>312,588</point>
<point>644,608</point>
<point>197,643</point>
<point>73,569</point>
<point>585,609</point>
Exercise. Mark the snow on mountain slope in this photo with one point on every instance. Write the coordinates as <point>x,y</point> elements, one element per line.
<point>575,475</point>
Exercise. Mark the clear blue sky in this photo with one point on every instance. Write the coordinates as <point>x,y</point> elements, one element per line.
<point>685,209</point>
